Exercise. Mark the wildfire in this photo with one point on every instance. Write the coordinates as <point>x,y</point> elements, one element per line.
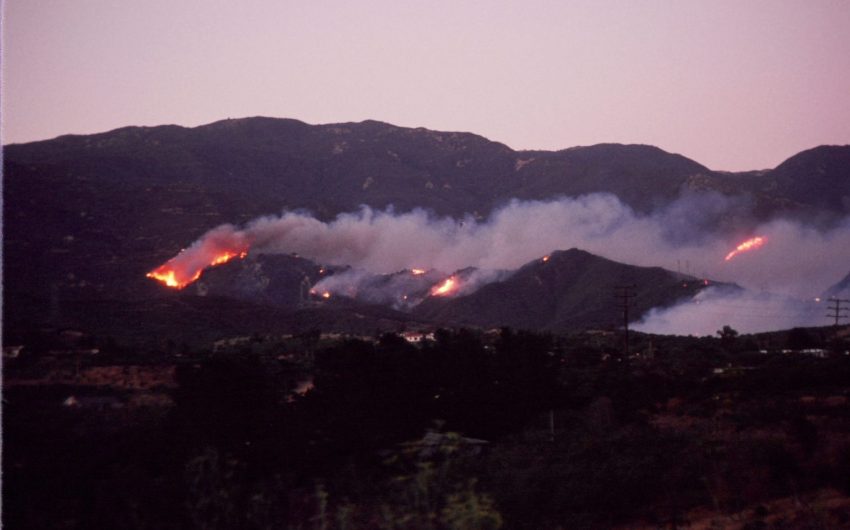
<point>169,277</point>
<point>545,259</point>
<point>177,275</point>
<point>447,287</point>
<point>749,244</point>
<point>417,272</point>
<point>227,256</point>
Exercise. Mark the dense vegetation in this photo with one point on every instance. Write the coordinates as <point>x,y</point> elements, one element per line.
<point>466,430</point>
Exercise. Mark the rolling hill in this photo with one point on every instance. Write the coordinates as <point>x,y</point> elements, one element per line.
<point>85,217</point>
<point>570,290</point>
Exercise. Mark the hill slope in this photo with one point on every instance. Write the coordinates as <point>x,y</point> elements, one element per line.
<point>571,290</point>
<point>85,217</point>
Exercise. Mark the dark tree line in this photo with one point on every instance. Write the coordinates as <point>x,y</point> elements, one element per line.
<point>526,431</point>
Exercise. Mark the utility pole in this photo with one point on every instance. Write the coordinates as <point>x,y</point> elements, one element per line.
<point>625,293</point>
<point>837,311</point>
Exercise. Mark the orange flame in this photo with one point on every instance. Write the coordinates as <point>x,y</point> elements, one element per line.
<point>172,275</point>
<point>417,272</point>
<point>227,256</point>
<point>447,287</point>
<point>750,244</point>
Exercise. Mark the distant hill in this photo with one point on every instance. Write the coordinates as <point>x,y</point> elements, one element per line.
<point>819,177</point>
<point>571,290</point>
<point>642,176</point>
<point>246,167</point>
<point>85,217</point>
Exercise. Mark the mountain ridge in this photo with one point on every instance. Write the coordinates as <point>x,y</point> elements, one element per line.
<point>86,216</point>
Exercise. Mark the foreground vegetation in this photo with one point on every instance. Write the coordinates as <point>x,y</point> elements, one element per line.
<point>465,430</point>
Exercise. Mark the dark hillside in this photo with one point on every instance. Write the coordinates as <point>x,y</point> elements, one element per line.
<point>642,176</point>
<point>85,217</point>
<point>572,290</point>
<point>819,177</point>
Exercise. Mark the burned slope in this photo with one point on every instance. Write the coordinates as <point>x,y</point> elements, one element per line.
<point>570,290</point>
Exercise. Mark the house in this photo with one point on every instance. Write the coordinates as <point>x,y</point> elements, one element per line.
<point>415,338</point>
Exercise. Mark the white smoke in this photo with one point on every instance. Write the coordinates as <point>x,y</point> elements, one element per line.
<point>797,260</point>
<point>400,290</point>
<point>745,311</point>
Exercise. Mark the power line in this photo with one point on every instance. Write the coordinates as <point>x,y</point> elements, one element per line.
<point>625,293</point>
<point>837,311</point>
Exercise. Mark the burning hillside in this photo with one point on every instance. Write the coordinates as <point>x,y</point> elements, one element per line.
<point>172,274</point>
<point>799,261</point>
<point>217,247</point>
<point>570,290</point>
<point>447,287</point>
<point>400,290</point>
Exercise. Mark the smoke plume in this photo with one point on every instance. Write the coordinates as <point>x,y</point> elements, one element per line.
<point>692,235</point>
<point>745,311</point>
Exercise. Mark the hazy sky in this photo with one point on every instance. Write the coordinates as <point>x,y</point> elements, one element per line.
<point>738,84</point>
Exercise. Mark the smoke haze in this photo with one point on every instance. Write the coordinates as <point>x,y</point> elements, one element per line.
<point>745,311</point>
<point>692,234</point>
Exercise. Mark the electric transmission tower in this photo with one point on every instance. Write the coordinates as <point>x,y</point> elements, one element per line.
<point>838,312</point>
<point>625,293</point>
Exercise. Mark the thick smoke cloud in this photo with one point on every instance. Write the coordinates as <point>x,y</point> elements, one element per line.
<point>693,235</point>
<point>745,311</point>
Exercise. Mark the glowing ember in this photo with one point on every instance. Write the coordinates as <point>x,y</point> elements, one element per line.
<point>747,245</point>
<point>177,274</point>
<point>417,272</point>
<point>545,259</point>
<point>326,295</point>
<point>447,287</point>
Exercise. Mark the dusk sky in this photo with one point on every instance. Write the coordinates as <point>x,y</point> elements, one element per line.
<point>734,84</point>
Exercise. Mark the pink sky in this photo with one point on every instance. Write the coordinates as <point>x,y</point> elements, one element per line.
<point>731,84</point>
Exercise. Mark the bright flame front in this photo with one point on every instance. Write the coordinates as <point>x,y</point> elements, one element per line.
<point>749,244</point>
<point>447,287</point>
<point>177,276</point>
